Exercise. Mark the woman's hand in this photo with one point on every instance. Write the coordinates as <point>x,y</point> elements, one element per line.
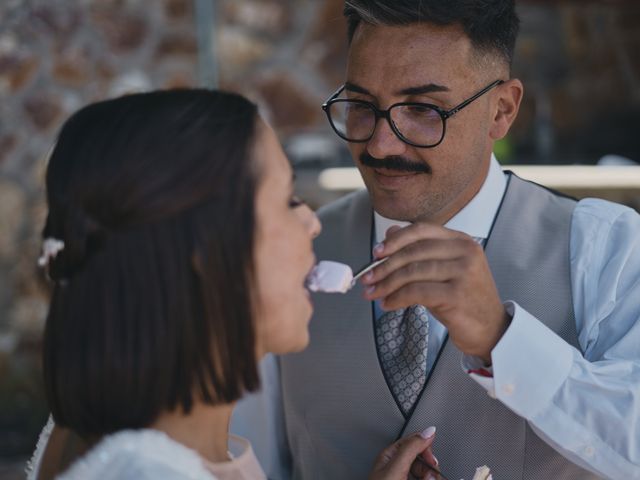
<point>399,459</point>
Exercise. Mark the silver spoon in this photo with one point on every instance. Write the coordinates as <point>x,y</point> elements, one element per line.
<point>366,269</point>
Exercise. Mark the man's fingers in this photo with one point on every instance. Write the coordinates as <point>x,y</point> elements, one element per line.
<point>432,271</point>
<point>391,230</point>
<point>400,238</point>
<point>422,250</point>
<point>433,295</point>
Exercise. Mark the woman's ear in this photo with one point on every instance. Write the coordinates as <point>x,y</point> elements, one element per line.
<point>509,96</point>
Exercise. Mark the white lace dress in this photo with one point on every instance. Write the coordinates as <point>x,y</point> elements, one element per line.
<point>150,454</point>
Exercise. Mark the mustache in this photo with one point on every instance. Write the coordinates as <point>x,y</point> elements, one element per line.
<point>400,164</point>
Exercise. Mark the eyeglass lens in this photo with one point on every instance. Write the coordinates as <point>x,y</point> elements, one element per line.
<point>355,121</point>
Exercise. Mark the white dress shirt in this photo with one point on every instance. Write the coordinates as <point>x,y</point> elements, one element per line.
<point>585,405</point>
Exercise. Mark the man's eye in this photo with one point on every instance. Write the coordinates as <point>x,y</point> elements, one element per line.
<point>420,110</point>
<point>358,107</point>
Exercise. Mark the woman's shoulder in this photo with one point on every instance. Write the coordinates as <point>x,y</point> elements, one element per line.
<point>138,454</point>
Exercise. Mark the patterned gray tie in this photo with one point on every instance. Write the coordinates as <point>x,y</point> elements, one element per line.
<point>402,337</point>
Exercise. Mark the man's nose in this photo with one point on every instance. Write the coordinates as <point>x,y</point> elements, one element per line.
<point>385,142</point>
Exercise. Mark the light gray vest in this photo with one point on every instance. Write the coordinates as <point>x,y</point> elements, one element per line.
<point>338,408</point>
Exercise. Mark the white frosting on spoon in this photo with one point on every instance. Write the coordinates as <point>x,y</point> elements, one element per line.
<point>330,277</point>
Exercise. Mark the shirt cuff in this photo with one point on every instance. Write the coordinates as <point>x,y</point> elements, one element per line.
<point>529,364</point>
<point>482,375</point>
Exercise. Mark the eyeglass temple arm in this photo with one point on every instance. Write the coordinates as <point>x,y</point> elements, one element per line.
<point>334,95</point>
<point>457,108</point>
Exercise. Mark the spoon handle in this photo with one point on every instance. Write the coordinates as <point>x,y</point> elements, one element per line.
<point>367,268</point>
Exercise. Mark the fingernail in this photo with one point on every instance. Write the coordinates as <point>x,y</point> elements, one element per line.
<point>378,249</point>
<point>370,290</point>
<point>428,433</point>
<point>436,460</point>
<point>368,276</point>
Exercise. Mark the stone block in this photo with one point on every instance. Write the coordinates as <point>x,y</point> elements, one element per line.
<point>178,44</point>
<point>8,142</point>
<point>105,71</point>
<point>43,109</point>
<point>12,216</point>
<point>291,107</point>
<point>268,17</point>
<point>123,31</point>
<point>73,68</point>
<point>56,20</point>
<point>238,50</point>
<point>178,9</point>
<point>17,70</point>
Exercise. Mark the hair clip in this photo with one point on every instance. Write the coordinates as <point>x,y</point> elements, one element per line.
<point>50,249</point>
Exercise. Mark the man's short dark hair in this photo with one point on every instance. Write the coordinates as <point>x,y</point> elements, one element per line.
<point>153,195</point>
<point>491,25</point>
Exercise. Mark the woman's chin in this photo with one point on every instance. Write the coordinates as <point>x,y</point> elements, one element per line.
<point>294,345</point>
<point>303,344</point>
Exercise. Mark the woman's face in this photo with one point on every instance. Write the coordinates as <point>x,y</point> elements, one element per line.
<point>283,251</point>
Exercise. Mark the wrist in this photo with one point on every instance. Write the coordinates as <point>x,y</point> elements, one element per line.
<point>499,331</point>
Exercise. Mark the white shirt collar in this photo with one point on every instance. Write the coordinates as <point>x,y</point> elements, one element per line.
<point>476,218</point>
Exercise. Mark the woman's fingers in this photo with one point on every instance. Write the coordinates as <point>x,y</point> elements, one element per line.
<point>396,461</point>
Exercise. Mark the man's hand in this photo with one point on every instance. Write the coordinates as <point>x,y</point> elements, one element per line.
<point>447,272</point>
<point>397,460</point>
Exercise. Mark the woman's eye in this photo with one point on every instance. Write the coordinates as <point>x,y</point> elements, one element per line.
<point>295,201</point>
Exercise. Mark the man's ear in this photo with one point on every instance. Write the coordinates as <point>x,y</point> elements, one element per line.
<point>508,98</point>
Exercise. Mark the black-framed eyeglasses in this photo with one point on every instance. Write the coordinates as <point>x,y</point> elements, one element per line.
<point>421,125</point>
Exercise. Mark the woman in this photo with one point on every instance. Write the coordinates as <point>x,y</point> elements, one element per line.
<point>179,254</point>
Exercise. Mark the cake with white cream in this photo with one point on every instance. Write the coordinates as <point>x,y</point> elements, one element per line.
<point>330,277</point>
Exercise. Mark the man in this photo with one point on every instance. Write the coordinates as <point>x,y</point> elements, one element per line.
<point>537,295</point>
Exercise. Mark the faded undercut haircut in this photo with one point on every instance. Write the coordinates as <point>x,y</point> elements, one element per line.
<point>491,25</point>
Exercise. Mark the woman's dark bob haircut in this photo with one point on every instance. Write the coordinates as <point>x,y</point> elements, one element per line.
<point>153,197</point>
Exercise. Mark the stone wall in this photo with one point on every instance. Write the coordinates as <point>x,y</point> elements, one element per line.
<point>288,55</point>
<point>55,56</point>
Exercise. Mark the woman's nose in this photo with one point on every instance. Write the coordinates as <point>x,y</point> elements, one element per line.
<point>311,221</point>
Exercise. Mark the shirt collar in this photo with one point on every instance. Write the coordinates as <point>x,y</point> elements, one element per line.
<point>476,218</point>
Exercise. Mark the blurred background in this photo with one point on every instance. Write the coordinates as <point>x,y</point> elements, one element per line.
<point>581,107</point>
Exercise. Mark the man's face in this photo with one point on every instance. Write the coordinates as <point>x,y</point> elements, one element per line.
<point>384,62</point>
